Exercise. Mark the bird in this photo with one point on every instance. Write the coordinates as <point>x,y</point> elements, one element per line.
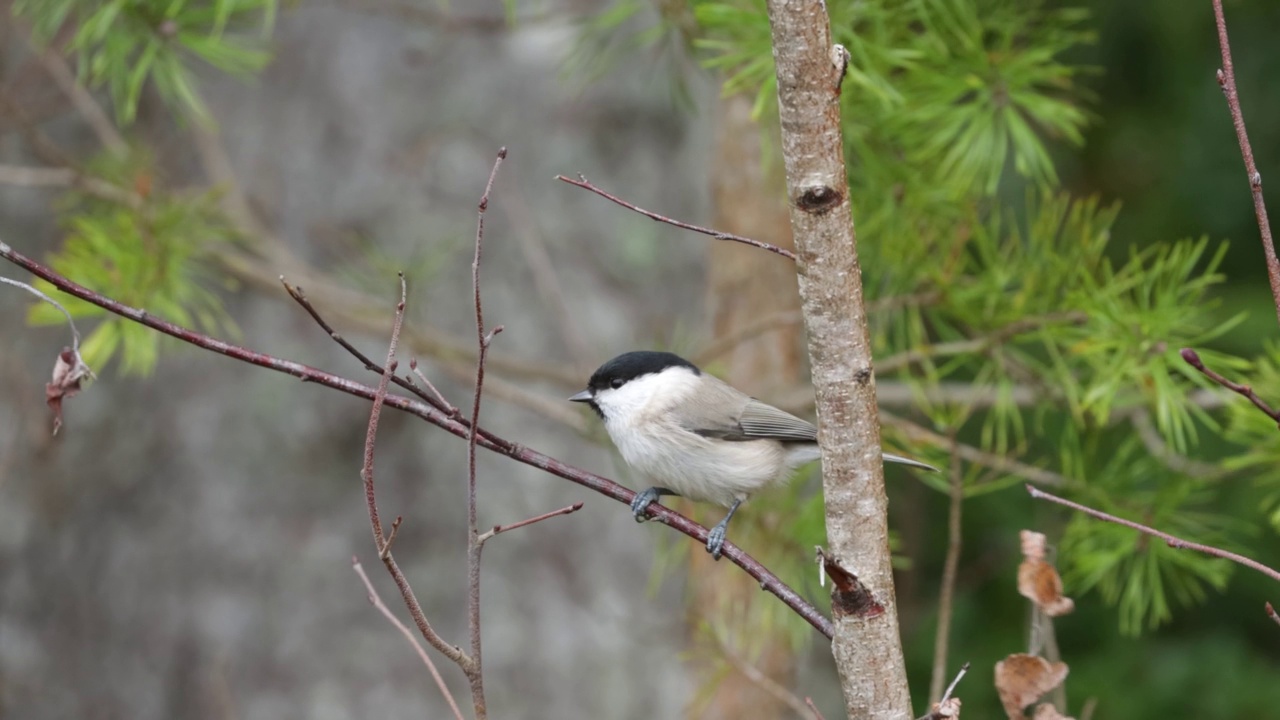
<point>698,436</point>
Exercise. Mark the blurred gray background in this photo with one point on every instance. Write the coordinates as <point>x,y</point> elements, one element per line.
<point>183,548</point>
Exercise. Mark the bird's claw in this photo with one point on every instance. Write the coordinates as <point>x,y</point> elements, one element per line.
<point>715,541</point>
<point>640,503</point>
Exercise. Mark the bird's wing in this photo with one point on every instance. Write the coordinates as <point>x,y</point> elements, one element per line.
<point>753,420</point>
<point>760,420</point>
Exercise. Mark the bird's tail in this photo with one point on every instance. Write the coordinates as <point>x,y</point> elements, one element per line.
<point>890,457</point>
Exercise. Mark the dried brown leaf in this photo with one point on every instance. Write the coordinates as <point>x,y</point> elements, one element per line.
<point>69,374</point>
<point>1038,581</point>
<point>1021,680</point>
<point>949,708</point>
<point>1033,544</point>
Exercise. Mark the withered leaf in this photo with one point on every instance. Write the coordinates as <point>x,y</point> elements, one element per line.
<point>69,374</point>
<point>1038,581</point>
<point>1021,680</point>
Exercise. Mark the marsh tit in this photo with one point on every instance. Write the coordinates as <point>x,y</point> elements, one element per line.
<point>700,437</point>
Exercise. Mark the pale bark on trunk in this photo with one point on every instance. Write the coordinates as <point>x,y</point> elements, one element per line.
<point>867,646</point>
<point>745,285</point>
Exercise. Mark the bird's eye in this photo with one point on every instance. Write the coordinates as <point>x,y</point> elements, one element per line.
<point>615,383</point>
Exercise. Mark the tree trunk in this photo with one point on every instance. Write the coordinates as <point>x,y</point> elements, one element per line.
<point>867,647</point>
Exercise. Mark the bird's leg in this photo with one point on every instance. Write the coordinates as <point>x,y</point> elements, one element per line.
<point>642,500</point>
<point>715,538</point>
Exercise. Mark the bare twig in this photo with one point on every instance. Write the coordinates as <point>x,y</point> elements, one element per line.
<point>1170,540</point>
<point>391,538</point>
<point>950,568</point>
<point>404,630</point>
<point>1227,81</point>
<point>440,418</point>
<point>443,403</point>
<point>380,396</point>
<point>474,546</point>
<point>996,462</point>
<point>75,334</point>
<point>952,687</point>
<point>1193,359</point>
<point>817,714</point>
<point>499,529</point>
<point>1271,613</point>
<point>380,541</point>
<point>714,234</point>
<point>941,710</point>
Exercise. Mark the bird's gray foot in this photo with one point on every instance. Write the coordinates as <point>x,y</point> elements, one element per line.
<point>642,500</point>
<point>715,538</point>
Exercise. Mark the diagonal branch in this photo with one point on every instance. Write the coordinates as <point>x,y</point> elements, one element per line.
<point>1170,540</point>
<point>714,234</point>
<point>1227,81</point>
<point>443,419</point>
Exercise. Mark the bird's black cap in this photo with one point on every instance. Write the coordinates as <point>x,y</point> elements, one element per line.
<point>631,365</point>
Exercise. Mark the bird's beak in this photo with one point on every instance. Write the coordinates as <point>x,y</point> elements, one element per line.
<point>584,396</point>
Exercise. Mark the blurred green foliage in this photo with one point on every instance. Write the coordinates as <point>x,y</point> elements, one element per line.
<point>124,43</point>
<point>154,251</point>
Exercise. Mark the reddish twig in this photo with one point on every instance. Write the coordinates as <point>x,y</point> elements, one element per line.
<point>380,396</point>
<point>381,542</point>
<point>1227,81</point>
<point>474,546</point>
<point>1170,540</point>
<point>440,399</point>
<point>391,538</point>
<point>813,709</point>
<point>583,183</point>
<point>1271,613</point>
<point>442,419</point>
<point>1193,359</point>
<point>404,629</point>
<point>499,529</point>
